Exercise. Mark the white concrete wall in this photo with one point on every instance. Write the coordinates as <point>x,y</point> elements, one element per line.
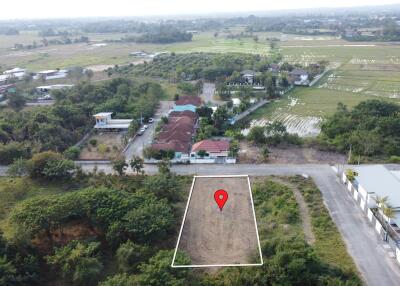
<point>370,215</point>
<point>378,227</point>
<point>362,204</point>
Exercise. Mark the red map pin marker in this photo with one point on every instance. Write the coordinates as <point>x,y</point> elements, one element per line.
<point>220,197</point>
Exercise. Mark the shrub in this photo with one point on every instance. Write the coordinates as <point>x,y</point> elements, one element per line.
<point>72,153</point>
<point>50,165</point>
<point>351,175</point>
<point>12,151</point>
<point>102,148</point>
<point>93,142</point>
<point>394,159</point>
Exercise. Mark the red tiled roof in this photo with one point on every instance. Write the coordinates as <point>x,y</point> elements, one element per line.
<point>211,146</point>
<point>188,99</point>
<point>187,113</point>
<point>187,127</point>
<point>182,119</point>
<point>178,135</point>
<point>172,145</point>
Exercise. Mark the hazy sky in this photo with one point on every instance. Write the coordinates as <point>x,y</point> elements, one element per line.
<point>18,9</point>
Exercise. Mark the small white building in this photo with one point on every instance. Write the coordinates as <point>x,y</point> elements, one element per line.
<point>236,102</point>
<point>376,180</point>
<point>49,88</point>
<point>248,76</point>
<point>299,77</point>
<point>105,122</point>
<point>16,72</point>
<point>51,74</point>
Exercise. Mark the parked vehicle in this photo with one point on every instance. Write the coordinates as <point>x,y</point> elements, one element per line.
<point>145,126</point>
<point>141,131</point>
<point>151,120</point>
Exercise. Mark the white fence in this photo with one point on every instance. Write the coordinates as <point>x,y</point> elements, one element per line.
<point>370,215</point>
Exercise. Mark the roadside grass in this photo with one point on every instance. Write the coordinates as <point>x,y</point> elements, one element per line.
<point>329,244</point>
<point>278,219</point>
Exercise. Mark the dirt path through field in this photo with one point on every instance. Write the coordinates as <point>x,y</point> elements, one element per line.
<point>304,214</point>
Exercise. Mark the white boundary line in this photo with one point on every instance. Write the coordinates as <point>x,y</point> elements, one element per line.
<point>183,221</point>
<point>184,218</point>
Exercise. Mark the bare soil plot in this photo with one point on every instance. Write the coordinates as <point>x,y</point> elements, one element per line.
<point>220,238</point>
<point>108,146</point>
<point>250,154</point>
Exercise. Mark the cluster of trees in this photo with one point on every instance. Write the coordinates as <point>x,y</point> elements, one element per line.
<point>124,221</point>
<point>212,124</point>
<point>372,128</point>
<point>198,66</point>
<point>163,35</point>
<point>60,126</point>
<point>274,134</point>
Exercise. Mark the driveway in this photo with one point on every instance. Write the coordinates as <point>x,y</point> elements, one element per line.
<point>208,93</point>
<point>136,146</point>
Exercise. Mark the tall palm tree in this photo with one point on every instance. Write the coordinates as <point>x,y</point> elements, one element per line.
<point>381,201</point>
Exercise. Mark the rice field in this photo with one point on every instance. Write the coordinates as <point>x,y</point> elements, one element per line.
<point>303,109</point>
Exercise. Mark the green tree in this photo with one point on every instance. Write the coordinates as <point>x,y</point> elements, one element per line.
<point>137,164</point>
<point>164,167</point>
<point>158,271</point>
<point>19,168</point>
<point>121,279</point>
<point>8,273</point>
<point>257,135</point>
<point>119,165</point>
<point>72,153</point>
<point>50,165</point>
<point>89,74</point>
<point>78,262</point>
<point>130,255</point>
<point>234,148</point>
<point>16,101</point>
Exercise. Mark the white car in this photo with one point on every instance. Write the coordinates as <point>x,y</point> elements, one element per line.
<point>145,126</point>
<point>141,131</point>
<point>151,120</point>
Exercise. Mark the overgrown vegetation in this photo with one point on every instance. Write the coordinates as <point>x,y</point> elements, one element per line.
<point>60,126</point>
<point>122,230</point>
<point>370,129</point>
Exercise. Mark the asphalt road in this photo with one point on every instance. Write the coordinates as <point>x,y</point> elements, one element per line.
<point>137,146</point>
<point>367,249</point>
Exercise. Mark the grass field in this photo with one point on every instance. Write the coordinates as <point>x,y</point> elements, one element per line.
<point>63,56</point>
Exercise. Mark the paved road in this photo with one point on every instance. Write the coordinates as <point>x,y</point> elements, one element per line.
<point>208,93</point>
<point>136,146</point>
<point>366,248</point>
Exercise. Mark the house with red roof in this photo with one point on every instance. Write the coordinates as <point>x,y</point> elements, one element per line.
<point>211,151</point>
<point>188,100</point>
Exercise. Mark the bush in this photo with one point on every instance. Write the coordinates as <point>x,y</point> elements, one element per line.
<point>394,159</point>
<point>93,142</point>
<point>72,153</point>
<point>50,165</point>
<point>12,151</point>
<point>130,254</point>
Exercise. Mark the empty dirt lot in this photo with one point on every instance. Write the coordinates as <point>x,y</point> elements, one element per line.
<point>214,237</point>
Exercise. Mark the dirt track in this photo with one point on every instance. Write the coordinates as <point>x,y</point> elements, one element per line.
<point>211,236</point>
